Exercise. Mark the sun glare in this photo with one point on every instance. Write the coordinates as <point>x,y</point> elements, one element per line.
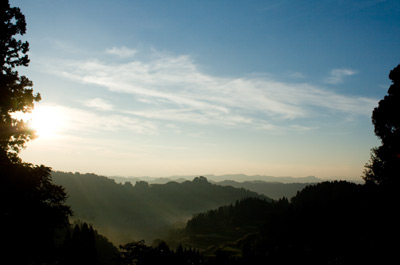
<point>47,121</point>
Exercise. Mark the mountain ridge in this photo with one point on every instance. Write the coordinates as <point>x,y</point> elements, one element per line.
<point>219,178</point>
<point>126,212</point>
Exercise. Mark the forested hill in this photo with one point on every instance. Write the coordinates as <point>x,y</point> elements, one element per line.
<point>272,187</point>
<point>327,223</point>
<point>124,212</point>
<point>274,190</point>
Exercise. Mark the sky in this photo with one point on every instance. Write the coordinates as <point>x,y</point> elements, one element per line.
<point>161,88</point>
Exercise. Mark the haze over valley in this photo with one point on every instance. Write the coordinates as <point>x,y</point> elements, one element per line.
<point>214,132</point>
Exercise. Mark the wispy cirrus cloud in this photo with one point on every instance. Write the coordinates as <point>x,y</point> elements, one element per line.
<point>174,89</point>
<point>121,51</point>
<point>86,122</point>
<point>336,76</point>
<point>98,103</point>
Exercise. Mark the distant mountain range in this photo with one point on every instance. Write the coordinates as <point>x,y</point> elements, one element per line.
<point>126,209</point>
<point>274,190</point>
<point>272,187</point>
<point>219,178</point>
<point>125,212</point>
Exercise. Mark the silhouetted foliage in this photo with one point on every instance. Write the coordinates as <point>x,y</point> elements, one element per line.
<point>384,166</point>
<point>83,245</point>
<point>247,212</point>
<point>226,226</point>
<point>333,223</point>
<point>137,253</point>
<point>32,208</point>
<point>328,223</point>
<point>16,94</point>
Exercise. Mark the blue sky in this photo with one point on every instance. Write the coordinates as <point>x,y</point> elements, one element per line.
<point>159,88</point>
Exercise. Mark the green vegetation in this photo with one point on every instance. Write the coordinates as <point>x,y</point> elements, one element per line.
<point>124,212</point>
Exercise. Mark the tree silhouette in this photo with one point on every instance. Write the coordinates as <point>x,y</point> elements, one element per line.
<point>137,253</point>
<point>384,165</point>
<point>16,93</point>
<point>80,248</point>
<point>32,208</point>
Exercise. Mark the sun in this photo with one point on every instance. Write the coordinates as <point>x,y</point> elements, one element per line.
<point>47,121</point>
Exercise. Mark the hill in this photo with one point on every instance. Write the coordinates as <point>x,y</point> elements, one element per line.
<point>326,223</point>
<point>274,190</point>
<point>272,187</point>
<point>126,212</point>
<point>244,177</point>
<point>222,227</point>
<point>219,178</point>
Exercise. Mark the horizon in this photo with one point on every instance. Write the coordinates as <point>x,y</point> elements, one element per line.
<point>274,88</point>
<point>240,177</point>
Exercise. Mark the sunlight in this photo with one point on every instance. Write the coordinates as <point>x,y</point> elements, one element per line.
<point>47,121</point>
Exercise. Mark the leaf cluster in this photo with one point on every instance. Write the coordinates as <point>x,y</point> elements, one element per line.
<point>13,52</point>
<point>16,93</point>
<point>384,165</point>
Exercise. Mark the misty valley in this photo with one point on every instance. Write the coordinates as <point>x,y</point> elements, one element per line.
<point>163,113</point>
<point>211,223</point>
<point>127,211</point>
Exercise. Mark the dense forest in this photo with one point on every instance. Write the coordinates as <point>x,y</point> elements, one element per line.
<point>126,212</point>
<point>325,223</point>
<point>273,190</point>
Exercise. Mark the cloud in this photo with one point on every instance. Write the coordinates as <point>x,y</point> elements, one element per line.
<point>337,75</point>
<point>173,89</point>
<point>88,122</point>
<point>98,103</point>
<point>121,51</point>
